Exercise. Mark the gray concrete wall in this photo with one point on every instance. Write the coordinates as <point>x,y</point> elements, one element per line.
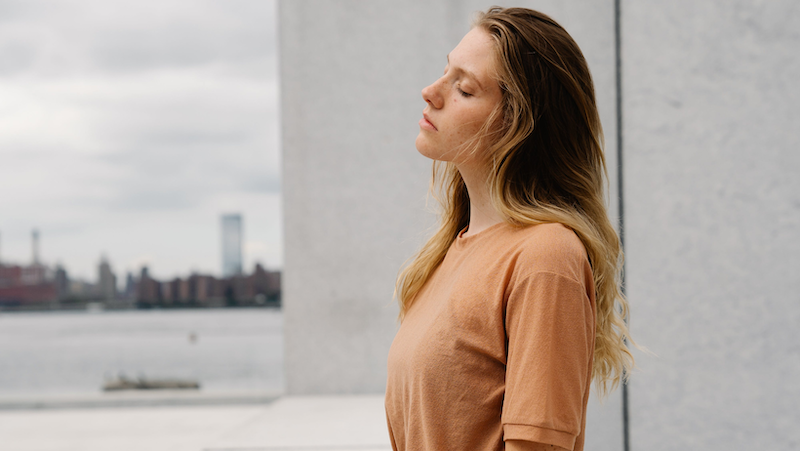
<point>354,185</point>
<point>713,217</point>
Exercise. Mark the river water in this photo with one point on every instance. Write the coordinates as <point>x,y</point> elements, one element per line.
<point>75,352</point>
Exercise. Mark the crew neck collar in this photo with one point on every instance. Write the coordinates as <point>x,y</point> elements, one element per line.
<point>462,240</point>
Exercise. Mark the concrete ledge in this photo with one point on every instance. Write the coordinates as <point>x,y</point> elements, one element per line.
<point>141,398</point>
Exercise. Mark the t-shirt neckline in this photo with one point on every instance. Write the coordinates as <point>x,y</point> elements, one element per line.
<point>462,240</point>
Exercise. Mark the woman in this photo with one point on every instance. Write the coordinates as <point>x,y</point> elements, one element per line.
<point>513,307</point>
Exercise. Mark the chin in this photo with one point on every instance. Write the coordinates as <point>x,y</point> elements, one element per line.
<point>423,147</point>
<point>433,150</point>
<point>427,149</point>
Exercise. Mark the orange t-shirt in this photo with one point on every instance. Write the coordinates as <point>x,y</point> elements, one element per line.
<point>497,346</point>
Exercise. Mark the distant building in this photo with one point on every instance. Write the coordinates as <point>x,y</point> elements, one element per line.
<point>34,274</point>
<point>184,290</point>
<point>168,293</point>
<point>61,280</point>
<point>231,245</point>
<point>28,286</point>
<point>35,246</point>
<point>130,287</point>
<point>264,285</point>
<point>80,289</point>
<point>202,288</point>
<point>107,281</point>
<point>148,289</point>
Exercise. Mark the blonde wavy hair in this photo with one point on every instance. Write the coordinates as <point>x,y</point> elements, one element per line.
<point>547,165</point>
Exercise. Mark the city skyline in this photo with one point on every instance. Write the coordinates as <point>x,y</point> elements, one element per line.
<point>39,286</point>
<point>129,129</point>
<point>230,265</point>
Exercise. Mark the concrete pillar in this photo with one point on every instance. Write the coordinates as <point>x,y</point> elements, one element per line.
<point>713,215</point>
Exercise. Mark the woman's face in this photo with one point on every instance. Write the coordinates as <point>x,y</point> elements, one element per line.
<point>460,101</point>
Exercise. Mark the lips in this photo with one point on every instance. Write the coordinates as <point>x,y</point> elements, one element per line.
<point>426,122</point>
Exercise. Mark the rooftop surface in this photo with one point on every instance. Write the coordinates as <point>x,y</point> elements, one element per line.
<point>308,423</point>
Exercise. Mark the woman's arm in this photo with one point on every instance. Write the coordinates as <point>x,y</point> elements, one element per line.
<point>523,445</point>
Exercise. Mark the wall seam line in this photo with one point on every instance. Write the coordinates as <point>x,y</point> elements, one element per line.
<point>620,193</point>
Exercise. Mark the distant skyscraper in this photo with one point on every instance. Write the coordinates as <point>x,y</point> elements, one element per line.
<point>62,282</point>
<point>130,286</point>
<point>35,246</point>
<point>231,245</point>
<point>107,280</point>
<point>147,288</point>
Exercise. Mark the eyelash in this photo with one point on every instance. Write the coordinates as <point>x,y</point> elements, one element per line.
<point>458,87</point>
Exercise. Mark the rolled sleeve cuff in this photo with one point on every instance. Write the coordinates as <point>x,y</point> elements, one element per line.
<point>540,435</point>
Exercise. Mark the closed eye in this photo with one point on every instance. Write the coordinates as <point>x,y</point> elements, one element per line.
<point>462,92</point>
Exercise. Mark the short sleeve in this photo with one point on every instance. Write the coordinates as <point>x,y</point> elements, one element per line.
<point>550,327</point>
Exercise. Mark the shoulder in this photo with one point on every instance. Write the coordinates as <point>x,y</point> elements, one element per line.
<point>551,248</point>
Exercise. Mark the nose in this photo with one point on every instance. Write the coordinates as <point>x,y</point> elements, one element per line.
<point>432,95</point>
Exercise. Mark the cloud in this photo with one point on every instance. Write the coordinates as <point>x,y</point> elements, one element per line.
<point>81,36</point>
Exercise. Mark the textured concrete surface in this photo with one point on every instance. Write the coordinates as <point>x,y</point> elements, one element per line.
<point>322,423</point>
<point>713,218</point>
<point>354,187</point>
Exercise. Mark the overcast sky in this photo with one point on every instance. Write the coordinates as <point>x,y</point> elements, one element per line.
<point>128,127</point>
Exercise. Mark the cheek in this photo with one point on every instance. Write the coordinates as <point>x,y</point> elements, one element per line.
<point>471,122</point>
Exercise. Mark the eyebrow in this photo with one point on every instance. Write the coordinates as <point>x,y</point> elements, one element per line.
<point>468,73</point>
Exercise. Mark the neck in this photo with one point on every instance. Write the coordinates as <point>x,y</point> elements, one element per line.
<point>482,213</point>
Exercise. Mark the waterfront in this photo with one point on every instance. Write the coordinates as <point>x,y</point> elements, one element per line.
<point>75,352</point>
